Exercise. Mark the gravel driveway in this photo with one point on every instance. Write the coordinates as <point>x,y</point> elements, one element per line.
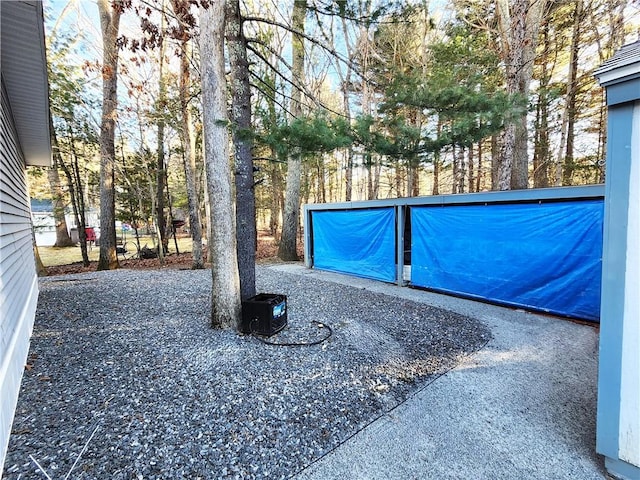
<point>126,379</point>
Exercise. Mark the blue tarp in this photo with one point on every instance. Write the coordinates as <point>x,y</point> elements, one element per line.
<point>358,242</point>
<point>544,257</point>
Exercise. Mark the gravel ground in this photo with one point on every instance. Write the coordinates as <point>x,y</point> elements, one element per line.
<point>125,378</point>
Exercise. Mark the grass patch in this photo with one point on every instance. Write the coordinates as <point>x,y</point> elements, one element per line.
<point>54,256</point>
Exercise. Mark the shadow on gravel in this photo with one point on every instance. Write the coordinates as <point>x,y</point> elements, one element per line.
<point>126,379</point>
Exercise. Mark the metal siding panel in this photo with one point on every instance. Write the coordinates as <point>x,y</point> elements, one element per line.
<point>629,436</point>
<point>613,267</point>
<point>12,364</point>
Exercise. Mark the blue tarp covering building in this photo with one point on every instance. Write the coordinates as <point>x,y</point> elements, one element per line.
<point>359,242</point>
<point>538,256</point>
<point>539,249</point>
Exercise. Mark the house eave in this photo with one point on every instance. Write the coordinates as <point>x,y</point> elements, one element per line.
<point>24,75</point>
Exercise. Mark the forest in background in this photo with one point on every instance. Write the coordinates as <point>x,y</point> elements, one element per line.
<point>323,102</point>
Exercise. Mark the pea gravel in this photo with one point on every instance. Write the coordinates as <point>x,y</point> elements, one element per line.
<point>126,379</point>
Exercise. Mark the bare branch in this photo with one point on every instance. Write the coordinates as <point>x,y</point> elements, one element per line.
<point>313,40</point>
<point>269,95</point>
<point>293,84</point>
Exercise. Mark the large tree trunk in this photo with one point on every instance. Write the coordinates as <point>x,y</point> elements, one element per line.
<point>195,225</point>
<point>437,163</point>
<point>541,143</point>
<point>246,234</point>
<point>277,200</point>
<point>480,173</point>
<point>225,294</point>
<point>495,162</point>
<point>346,82</point>
<point>472,174</point>
<point>572,90</point>
<point>110,23</point>
<point>76,193</point>
<point>288,243</point>
<point>41,270</point>
<point>62,232</point>
<point>181,9</point>
<point>518,22</point>
<point>161,167</point>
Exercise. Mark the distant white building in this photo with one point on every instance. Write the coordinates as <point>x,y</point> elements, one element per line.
<point>24,140</point>
<point>44,223</point>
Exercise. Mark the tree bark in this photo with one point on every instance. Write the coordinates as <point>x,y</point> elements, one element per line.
<point>181,9</point>
<point>41,271</point>
<point>518,24</point>
<point>62,232</point>
<point>541,143</point>
<point>246,234</point>
<point>346,82</point>
<point>480,173</point>
<point>472,175</point>
<point>110,23</point>
<point>189,142</point>
<point>161,221</point>
<point>572,90</point>
<point>495,162</point>
<point>437,163</point>
<point>76,193</point>
<point>225,293</point>
<point>288,243</point>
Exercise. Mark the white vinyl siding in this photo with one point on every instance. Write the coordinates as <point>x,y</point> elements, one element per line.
<point>18,280</point>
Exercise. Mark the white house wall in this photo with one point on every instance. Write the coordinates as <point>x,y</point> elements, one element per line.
<point>18,279</point>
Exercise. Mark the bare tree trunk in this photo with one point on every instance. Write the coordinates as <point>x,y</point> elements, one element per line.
<point>288,243</point>
<point>322,188</point>
<point>375,183</point>
<point>518,24</point>
<point>62,233</point>
<point>572,90</point>
<point>541,142</point>
<point>276,199</point>
<point>246,234</point>
<point>398,177</point>
<point>472,177</point>
<point>480,173</point>
<point>189,143</point>
<point>41,271</point>
<point>495,162</point>
<point>368,162</point>
<point>459,170</point>
<point>80,200</point>
<point>75,192</point>
<point>225,293</point>
<point>346,81</point>
<point>437,164</point>
<point>161,167</point>
<point>110,24</point>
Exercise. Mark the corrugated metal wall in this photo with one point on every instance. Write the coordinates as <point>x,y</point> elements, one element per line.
<point>18,280</point>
